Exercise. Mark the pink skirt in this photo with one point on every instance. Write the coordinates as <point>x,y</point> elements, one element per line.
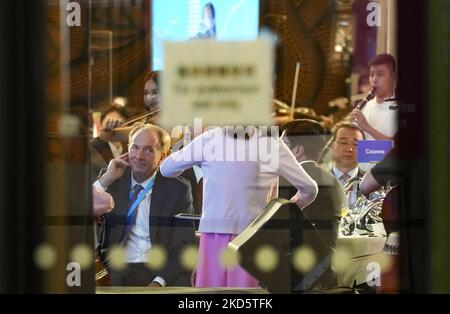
<point>211,273</point>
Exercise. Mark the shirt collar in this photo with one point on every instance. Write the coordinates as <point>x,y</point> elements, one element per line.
<point>145,183</point>
<point>352,173</point>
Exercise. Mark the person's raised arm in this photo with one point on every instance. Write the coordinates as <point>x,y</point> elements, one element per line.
<point>116,169</point>
<point>290,169</point>
<point>368,184</point>
<point>103,202</point>
<point>185,158</point>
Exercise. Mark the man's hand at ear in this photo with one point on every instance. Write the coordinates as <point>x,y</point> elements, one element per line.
<point>116,169</point>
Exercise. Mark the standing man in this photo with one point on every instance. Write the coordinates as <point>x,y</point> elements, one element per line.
<point>144,215</point>
<point>378,118</point>
<point>305,139</point>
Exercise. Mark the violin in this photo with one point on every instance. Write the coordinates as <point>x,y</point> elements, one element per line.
<point>135,119</point>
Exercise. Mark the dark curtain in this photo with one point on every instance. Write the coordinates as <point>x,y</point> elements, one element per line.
<point>21,160</point>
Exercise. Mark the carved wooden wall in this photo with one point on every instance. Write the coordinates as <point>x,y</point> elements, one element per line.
<point>306,32</point>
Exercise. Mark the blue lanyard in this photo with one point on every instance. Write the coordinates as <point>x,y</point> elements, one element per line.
<point>141,196</point>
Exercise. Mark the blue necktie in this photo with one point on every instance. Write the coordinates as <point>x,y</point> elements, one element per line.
<point>131,217</point>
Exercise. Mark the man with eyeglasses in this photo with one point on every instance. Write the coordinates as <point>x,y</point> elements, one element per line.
<point>345,151</point>
<point>143,218</point>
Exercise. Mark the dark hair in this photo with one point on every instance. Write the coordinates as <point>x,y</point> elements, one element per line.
<point>385,59</point>
<point>154,76</point>
<point>308,133</point>
<point>113,109</point>
<point>210,6</point>
<point>348,125</point>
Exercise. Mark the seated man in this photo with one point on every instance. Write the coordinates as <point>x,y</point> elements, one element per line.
<point>345,156</point>
<point>144,215</point>
<point>304,138</point>
<point>345,151</point>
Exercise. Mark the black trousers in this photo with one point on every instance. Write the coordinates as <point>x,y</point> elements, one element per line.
<point>134,274</point>
<point>138,274</point>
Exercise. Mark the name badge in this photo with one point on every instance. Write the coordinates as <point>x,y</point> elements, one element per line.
<point>373,151</point>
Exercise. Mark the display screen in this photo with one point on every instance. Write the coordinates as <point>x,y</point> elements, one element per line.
<point>180,20</point>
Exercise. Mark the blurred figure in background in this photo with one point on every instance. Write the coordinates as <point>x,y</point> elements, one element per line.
<point>305,138</point>
<point>103,151</point>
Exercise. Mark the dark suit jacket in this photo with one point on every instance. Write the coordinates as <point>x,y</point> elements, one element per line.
<point>170,196</point>
<point>324,212</point>
<point>189,175</point>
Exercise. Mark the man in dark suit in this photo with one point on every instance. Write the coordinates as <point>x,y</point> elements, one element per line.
<point>305,139</point>
<point>143,219</point>
<point>345,151</point>
<point>345,155</point>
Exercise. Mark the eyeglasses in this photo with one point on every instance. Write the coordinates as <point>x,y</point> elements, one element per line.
<point>347,144</point>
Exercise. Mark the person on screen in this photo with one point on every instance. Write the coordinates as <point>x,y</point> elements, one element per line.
<point>208,25</point>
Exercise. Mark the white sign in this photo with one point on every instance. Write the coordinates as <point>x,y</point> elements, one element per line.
<point>223,83</point>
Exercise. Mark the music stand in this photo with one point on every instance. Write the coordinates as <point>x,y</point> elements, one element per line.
<point>280,226</point>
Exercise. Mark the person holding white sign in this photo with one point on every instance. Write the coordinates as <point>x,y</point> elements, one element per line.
<point>239,168</point>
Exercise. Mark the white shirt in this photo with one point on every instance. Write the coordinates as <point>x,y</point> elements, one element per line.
<point>352,196</point>
<point>138,244</point>
<point>380,117</point>
<point>237,176</point>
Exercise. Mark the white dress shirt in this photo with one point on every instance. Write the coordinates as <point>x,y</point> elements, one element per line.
<point>338,173</point>
<point>381,117</point>
<point>352,196</point>
<point>138,244</point>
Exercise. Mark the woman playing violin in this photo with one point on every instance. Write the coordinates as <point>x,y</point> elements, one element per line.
<point>117,130</point>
